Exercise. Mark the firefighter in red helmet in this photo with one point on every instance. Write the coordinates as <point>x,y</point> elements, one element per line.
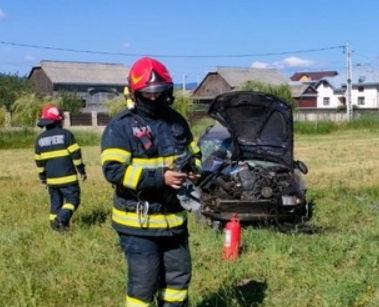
<point>140,149</point>
<point>59,159</point>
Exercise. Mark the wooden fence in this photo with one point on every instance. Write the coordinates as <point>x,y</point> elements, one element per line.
<point>99,119</point>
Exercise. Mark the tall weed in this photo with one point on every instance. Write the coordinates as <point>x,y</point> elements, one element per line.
<point>25,138</point>
<point>310,128</point>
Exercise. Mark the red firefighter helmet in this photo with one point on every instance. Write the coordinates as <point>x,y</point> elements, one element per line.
<point>50,115</point>
<point>149,76</point>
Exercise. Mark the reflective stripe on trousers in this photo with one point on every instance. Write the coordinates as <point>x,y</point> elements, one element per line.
<point>157,267</point>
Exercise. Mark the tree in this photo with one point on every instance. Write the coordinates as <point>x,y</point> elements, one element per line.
<point>182,104</point>
<point>27,109</point>
<point>69,101</point>
<point>11,87</point>
<point>3,116</point>
<point>115,105</point>
<point>281,91</point>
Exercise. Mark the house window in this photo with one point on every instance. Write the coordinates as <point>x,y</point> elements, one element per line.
<point>361,101</point>
<point>360,89</point>
<point>326,101</point>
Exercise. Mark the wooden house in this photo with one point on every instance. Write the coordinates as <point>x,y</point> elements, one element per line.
<point>226,79</point>
<point>304,94</point>
<point>94,83</point>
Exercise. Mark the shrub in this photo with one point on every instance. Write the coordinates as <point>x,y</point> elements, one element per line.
<point>182,104</point>
<point>3,116</point>
<point>70,102</point>
<point>23,138</point>
<point>115,105</point>
<point>26,110</point>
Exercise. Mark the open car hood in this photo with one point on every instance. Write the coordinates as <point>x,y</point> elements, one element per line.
<point>261,125</point>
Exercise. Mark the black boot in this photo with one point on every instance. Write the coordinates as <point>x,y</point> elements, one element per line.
<point>58,226</point>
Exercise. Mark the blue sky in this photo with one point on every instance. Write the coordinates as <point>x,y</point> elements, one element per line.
<point>190,37</point>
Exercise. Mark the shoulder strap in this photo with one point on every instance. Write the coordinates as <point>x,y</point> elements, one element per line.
<point>143,133</point>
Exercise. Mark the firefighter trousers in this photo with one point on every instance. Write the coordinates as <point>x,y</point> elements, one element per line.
<point>63,202</point>
<point>158,267</point>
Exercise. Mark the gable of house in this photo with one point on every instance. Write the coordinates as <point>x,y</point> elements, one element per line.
<point>304,94</point>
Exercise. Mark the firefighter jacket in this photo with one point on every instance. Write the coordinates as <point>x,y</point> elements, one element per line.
<point>136,150</point>
<point>58,157</point>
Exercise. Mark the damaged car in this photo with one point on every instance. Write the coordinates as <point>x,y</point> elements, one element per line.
<point>249,168</point>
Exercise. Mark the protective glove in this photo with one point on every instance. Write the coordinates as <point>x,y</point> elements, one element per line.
<point>83,177</point>
<point>189,196</point>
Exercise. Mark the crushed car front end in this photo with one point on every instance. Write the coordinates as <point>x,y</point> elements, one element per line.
<point>248,163</point>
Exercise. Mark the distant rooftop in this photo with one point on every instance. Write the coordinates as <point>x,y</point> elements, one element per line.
<point>312,75</point>
<point>84,72</point>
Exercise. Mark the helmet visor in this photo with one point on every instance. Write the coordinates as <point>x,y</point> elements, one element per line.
<point>156,88</point>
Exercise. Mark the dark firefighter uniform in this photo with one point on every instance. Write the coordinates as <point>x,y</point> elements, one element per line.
<point>58,158</point>
<point>135,152</point>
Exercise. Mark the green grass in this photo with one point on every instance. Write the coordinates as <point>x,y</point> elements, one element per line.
<point>336,266</point>
<point>25,137</point>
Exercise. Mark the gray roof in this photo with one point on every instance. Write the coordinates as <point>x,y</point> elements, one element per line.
<point>298,88</point>
<point>85,73</point>
<point>361,75</point>
<point>237,76</point>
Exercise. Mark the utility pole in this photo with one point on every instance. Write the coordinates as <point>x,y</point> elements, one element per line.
<point>349,107</point>
<point>184,84</point>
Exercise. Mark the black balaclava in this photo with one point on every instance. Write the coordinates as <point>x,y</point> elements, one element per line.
<point>155,107</point>
<point>53,125</point>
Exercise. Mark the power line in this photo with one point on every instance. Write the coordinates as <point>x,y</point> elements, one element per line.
<point>169,56</point>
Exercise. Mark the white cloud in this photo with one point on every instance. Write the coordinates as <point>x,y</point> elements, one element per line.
<point>290,62</point>
<point>258,64</point>
<point>297,62</point>
<point>126,45</point>
<point>29,58</point>
<point>2,15</point>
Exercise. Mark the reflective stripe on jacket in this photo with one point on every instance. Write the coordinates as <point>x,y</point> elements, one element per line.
<point>143,204</point>
<point>58,157</point>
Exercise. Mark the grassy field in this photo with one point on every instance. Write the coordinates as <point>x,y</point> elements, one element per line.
<point>335,267</point>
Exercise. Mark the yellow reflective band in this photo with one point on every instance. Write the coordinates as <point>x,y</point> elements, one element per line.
<point>193,147</point>
<point>152,221</point>
<point>132,176</point>
<point>60,180</point>
<point>115,154</point>
<point>73,148</point>
<point>54,154</point>
<point>198,163</point>
<point>173,295</point>
<point>169,161</point>
<point>68,207</point>
<point>37,157</point>
<point>40,169</point>
<point>154,162</point>
<point>52,217</point>
<point>78,162</point>
<point>148,163</point>
<point>133,302</point>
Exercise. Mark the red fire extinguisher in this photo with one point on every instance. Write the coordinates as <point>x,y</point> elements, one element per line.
<point>232,239</point>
